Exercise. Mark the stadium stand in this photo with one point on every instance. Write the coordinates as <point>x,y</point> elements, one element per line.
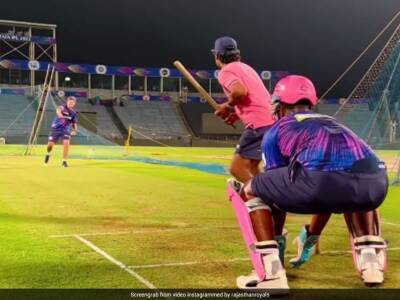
<point>97,119</point>
<point>16,119</point>
<point>152,119</point>
<point>204,124</point>
<point>105,125</point>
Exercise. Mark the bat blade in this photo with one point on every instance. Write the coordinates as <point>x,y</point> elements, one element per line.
<point>181,68</point>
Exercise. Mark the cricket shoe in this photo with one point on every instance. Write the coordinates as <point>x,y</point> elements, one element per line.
<point>275,280</point>
<point>371,269</point>
<point>46,160</point>
<point>305,248</point>
<point>64,164</point>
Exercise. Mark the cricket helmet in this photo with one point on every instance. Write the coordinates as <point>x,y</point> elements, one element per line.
<point>293,88</point>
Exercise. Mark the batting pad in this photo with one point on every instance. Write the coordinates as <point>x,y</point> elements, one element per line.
<point>376,242</point>
<point>246,228</point>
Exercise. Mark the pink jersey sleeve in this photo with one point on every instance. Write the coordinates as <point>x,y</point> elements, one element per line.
<point>255,109</point>
<point>227,78</point>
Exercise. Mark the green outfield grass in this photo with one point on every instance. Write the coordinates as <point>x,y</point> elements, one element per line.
<point>172,226</point>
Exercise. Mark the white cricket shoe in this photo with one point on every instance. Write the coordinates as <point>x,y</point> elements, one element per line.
<point>371,269</point>
<point>276,281</point>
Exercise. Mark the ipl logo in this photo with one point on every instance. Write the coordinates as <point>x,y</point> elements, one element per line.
<point>164,72</point>
<point>33,65</point>
<point>101,69</point>
<point>266,75</point>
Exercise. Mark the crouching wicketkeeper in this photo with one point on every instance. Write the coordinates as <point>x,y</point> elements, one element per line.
<point>313,165</point>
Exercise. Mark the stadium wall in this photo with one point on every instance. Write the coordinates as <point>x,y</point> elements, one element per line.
<point>203,122</point>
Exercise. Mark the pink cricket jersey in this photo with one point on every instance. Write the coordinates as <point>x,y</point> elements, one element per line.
<point>255,111</point>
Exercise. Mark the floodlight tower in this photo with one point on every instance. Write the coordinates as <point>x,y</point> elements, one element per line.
<point>29,41</point>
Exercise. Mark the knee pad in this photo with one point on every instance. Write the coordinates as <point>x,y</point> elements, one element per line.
<point>256,204</point>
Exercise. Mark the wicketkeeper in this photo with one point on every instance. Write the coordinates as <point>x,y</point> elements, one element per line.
<point>313,165</point>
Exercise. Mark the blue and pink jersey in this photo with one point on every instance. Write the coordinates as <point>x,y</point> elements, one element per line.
<point>65,124</point>
<point>317,142</point>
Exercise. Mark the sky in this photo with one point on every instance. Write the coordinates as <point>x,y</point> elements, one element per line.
<point>316,38</point>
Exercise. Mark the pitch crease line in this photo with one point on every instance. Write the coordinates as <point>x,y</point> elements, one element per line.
<point>150,231</point>
<point>139,231</point>
<point>87,234</point>
<point>191,263</point>
<point>115,261</point>
<point>390,223</point>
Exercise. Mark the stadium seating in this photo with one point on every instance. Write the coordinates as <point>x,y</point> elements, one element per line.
<point>158,120</point>
<point>105,127</point>
<point>16,117</point>
<point>152,119</point>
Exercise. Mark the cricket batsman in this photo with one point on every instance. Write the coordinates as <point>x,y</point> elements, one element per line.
<point>250,102</point>
<point>313,165</point>
<point>64,125</point>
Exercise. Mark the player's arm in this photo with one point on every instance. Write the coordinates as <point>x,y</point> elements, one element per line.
<point>271,151</point>
<point>227,109</point>
<point>74,126</point>
<point>59,112</point>
<point>237,93</point>
<point>74,129</point>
